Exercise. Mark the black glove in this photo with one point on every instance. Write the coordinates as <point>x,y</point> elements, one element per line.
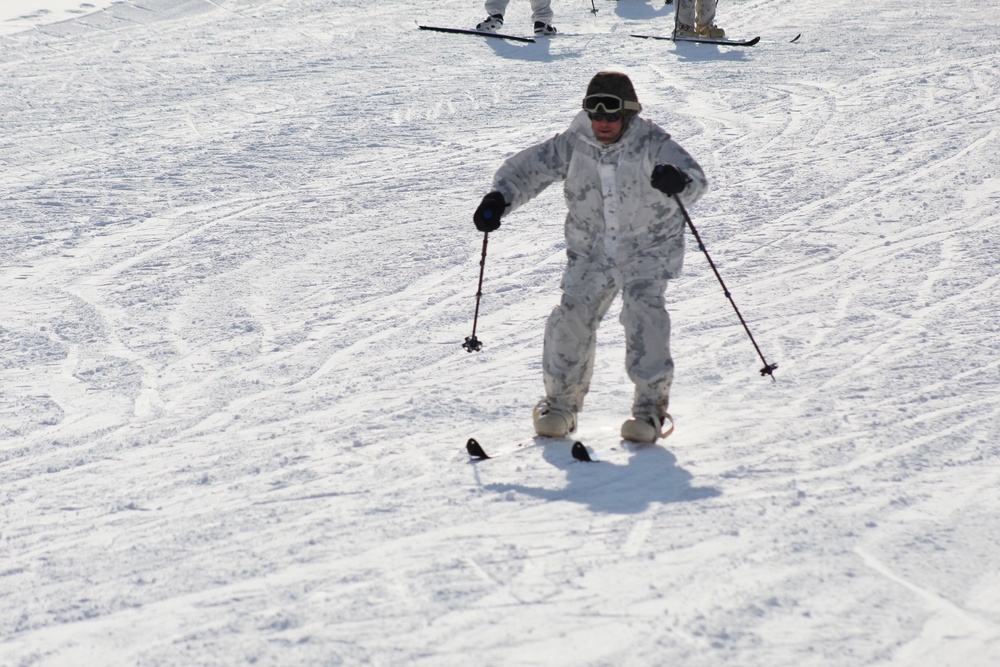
<point>487,216</point>
<point>668,179</point>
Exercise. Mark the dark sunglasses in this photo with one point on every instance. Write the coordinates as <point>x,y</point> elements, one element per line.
<point>605,117</point>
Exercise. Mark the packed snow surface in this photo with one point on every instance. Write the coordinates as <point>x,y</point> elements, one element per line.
<point>237,265</point>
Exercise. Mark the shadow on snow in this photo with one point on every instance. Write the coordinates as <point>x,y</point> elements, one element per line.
<point>650,476</point>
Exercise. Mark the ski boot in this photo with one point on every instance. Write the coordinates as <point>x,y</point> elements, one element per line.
<point>684,30</point>
<point>492,23</point>
<point>709,30</point>
<point>643,428</point>
<point>552,422</point>
<point>544,29</point>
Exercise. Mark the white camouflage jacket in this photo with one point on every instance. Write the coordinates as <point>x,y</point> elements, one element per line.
<point>616,219</point>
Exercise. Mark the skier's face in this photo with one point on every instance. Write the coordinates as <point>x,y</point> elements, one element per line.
<point>605,130</point>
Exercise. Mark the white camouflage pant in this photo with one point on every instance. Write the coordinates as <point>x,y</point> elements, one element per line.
<point>690,12</point>
<point>571,339</point>
<point>541,10</point>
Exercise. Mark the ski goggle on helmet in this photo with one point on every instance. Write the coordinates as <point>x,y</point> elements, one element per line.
<point>612,104</point>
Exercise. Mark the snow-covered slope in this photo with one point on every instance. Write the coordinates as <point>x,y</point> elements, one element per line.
<point>21,15</point>
<point>237,264</point>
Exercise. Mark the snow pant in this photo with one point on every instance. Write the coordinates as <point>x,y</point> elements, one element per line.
<point>691,12</point>
<point>571,339</point>
<point>541,10</point>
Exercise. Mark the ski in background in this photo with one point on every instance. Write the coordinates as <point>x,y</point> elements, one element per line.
<point>463,31</point>
<point>477,453</point>
<point>703,40</point>
<point>578,451</point>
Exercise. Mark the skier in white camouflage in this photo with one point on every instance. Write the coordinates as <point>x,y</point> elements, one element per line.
<point>696,18</point>
<point>624,233</point>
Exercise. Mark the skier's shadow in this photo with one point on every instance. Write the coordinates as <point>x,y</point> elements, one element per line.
<point>650,476</point>
<point>538,52</point>
<point>644,11</point>
<point>687,51</point>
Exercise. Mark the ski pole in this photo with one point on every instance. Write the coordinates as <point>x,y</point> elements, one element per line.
<point>594,10</point>
<point>472,343</point>
<point>768,368</point>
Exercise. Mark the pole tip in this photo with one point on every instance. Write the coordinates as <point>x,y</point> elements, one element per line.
<point>472,344</point>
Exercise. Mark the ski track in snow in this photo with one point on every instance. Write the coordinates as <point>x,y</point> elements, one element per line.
<point>237,265</point>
